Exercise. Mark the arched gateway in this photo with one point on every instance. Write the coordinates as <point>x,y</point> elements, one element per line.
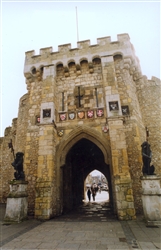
<point>82,151</point>
<point>84,110</point>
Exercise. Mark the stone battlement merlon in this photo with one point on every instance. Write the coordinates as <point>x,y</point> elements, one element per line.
<point>46,50</point>
<point>64,47</point>
<point>84,44</point>
<point>154,81</point>
<point>102,40</point>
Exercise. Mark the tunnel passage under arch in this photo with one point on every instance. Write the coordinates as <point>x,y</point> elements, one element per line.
<point>82,158</point>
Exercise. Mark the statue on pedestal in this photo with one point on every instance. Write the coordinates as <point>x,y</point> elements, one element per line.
<point>146,158</point>
<point>17,203</point>
<point>18,163</point>
<point>18,166</point>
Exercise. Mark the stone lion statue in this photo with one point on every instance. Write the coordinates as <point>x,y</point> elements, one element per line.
<point>146,158</point>
<point>18,166</point>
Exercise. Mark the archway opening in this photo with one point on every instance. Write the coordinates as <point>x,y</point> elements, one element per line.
<point>96,187</point>
<point>83,157</point>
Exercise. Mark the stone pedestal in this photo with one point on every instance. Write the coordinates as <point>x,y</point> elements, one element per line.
<point>151,198</point>
<point>16,209</point>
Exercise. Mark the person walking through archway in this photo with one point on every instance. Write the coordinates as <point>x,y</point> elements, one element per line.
<point>89,194</point>
<point>93,192</point>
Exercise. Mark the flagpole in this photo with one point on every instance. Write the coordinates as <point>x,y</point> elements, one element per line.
<point>77,25</point>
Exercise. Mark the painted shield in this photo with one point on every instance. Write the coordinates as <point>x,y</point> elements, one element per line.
<point>125,110</point>
<point>71,116</point>
<point>105,129</point>
<point>38,119</point>
<point>60,132</point>
<point>81,114</point>
<point>62,117</point>
<point>90,113</point>
<point>99,112</point>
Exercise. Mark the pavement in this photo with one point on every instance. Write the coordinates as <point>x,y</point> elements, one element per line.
<point>90,226</point>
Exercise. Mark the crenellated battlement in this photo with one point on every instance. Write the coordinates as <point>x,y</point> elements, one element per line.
<point>103,47</point>
<point>80,45</point>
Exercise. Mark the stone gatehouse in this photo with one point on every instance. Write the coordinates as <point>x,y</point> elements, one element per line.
<point>85,108</point>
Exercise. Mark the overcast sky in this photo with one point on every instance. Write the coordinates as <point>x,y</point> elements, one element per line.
<point>33,25</point>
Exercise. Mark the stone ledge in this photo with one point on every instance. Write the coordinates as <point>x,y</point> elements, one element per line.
<point>17,182</point>
<point>150,177</point>
<point>152,193</point>
<point>17,194</point>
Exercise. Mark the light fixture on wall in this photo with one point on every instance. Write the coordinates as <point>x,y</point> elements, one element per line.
<point>105,128</point>
<point>54,124</point>
<point>147,133</point>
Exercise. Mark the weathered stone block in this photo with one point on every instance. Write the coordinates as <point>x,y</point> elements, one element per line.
<point>131,211</point>
<point>130,191</point>
<point>38,212</point>
<point>124,204</point>
<point>129,198</point>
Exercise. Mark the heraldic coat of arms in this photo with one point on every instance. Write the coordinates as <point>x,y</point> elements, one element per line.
<point>81,114</point>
